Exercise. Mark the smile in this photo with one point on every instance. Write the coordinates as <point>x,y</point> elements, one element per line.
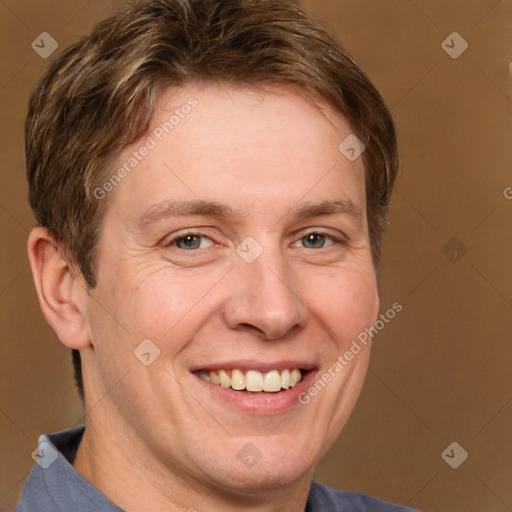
<point>253,381</point>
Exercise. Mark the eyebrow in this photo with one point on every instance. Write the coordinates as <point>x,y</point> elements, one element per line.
<point>328,207</point>
<point>165,209</point>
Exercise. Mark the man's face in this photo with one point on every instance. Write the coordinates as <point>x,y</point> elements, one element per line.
<point>256,259</point>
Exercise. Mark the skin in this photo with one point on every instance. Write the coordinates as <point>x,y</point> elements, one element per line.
<point>156,438</point>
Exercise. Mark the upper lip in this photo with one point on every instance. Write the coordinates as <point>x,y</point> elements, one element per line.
<point>260,366</point>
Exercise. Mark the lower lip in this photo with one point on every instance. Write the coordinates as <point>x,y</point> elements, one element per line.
<point>261,404</point>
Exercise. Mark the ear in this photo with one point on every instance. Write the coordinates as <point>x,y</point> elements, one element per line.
<point>62,296</point>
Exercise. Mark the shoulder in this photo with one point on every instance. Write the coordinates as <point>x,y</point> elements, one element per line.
<point>35,495</point>
<point>323,498</point>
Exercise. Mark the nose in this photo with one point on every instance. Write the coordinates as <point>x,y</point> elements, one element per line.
<point>263,298</point>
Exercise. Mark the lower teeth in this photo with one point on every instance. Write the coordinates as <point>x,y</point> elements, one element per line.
<point>257,392</point>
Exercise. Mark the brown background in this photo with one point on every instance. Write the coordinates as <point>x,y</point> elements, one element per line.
<point>441,370</point>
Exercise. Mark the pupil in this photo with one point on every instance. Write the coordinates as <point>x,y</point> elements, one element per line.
<point>190,241</point>
<point>314,239</point>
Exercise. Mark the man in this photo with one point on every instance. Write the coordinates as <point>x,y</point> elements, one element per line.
<point>210,181</point>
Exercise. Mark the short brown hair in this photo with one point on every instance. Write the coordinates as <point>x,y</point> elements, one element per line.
<point>99,95</point>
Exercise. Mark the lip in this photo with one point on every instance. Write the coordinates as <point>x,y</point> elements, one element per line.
<point>269,404</point>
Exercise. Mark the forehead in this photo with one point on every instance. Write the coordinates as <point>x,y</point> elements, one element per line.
<point>252,148</point>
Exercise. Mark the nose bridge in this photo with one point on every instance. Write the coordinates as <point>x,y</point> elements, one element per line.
<point>263,295</point>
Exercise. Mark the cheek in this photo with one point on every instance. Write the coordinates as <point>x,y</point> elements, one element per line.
<point>163,304</point>
<point>347,302</point>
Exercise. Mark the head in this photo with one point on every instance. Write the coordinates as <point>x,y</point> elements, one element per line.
<point>241,107</point>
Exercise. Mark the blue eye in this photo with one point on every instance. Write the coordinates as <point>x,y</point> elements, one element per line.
<point>190,242</point>
<point>316,240</point>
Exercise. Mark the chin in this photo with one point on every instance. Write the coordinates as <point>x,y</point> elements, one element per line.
<point>264,465</point>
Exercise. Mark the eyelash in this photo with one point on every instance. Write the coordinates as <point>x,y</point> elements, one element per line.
<point>334,239</point>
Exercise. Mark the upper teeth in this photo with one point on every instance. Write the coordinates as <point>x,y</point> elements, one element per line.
<point>253,380</point>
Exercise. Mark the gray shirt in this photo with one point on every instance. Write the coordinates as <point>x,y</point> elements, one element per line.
<point>55,486</point>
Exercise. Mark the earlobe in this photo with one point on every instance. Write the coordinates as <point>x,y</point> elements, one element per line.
<point>55,286</point>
